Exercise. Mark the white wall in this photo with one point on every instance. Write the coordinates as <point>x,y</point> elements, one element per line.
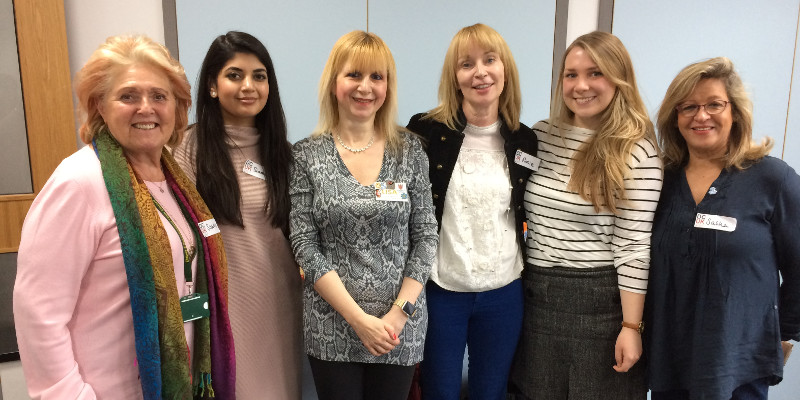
<point>759,37</point>
<point>582,19</point>
<point>419,41</point>
<point>90,22</point>
<point>299,36</point>
<point>12,382</point>
<point>791,148</point>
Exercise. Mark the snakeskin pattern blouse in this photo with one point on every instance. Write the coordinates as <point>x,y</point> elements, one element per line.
<point>338,224</point>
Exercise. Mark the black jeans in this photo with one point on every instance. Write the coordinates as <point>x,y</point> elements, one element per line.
<point>337,380</point>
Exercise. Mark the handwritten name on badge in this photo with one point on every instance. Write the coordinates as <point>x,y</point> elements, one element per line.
<point>208,227</point>
<point>526,160</point>
<point>254,169</point>
<point>391,191</point>
<point>718,222</point>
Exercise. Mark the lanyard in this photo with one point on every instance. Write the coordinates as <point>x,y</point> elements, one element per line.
<point>188,253</point>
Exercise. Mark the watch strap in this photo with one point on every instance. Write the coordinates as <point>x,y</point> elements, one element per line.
<point>637,327</point>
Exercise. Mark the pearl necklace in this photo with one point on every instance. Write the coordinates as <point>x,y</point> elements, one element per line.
<point>371,139</point>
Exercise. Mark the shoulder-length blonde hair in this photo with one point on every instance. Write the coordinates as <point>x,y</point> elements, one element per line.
<point>450,96</point>
<point>365,52</point>
<point>601,164</point>
<point>117,54</point>
<point>742,151</point>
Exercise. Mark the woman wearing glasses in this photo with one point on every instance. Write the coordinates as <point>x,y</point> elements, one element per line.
<point>725,227</point>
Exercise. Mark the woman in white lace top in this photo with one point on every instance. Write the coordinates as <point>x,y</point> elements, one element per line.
<point>476,147</point>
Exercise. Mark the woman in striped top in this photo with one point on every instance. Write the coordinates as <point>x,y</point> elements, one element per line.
<point>590,207</point>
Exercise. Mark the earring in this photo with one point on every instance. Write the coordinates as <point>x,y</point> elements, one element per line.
<point>214,94</point>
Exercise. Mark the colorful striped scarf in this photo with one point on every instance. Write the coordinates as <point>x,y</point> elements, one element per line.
<point>161,349</point>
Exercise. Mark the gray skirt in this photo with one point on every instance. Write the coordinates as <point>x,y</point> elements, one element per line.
<point>570,327</point>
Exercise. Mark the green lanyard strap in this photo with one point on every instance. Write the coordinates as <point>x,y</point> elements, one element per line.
<point>188,253</point>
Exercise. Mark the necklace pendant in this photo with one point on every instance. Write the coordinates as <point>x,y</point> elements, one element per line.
<point>191,252</point>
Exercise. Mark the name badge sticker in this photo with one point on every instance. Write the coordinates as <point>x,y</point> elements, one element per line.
<point>391,191</point>
<point>526,160</point>
<point>718,222</point>
<point>208,227</point>
<point>253,168</point>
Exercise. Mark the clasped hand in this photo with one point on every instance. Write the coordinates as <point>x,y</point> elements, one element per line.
<point>380,335</point>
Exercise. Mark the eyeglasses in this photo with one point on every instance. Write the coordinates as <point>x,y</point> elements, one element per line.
<point>715,107</point>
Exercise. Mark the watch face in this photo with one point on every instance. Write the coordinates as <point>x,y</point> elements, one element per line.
<point>409,309</point>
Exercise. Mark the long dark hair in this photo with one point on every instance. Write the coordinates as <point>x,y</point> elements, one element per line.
<point>216,176</point>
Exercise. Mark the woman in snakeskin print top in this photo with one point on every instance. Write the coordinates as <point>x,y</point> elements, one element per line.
<point>362,228</point>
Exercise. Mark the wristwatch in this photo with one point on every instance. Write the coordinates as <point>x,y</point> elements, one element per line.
<point>637,327</point>
<point>408,308</point>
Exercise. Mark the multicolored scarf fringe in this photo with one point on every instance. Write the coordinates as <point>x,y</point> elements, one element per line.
<point>161,349</point>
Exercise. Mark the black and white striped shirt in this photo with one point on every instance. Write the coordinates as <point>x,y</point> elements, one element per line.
<point>566,231</point>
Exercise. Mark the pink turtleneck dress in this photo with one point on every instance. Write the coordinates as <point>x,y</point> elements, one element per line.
<point>263,282</point>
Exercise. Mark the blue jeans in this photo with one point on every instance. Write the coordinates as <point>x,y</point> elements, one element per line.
<point>489,323</point>
<point>755,390</point>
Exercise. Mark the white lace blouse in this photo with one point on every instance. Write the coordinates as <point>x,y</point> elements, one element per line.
<point>478,250</point>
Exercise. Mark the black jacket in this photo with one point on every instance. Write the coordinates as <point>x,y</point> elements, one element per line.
<point>443,145</point>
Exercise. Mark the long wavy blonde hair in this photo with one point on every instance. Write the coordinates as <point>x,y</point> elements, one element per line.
<point>601,164</point>
<point>742,150</point>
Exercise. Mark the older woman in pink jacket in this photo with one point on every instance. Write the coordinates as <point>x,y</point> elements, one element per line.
<point>121,288</point>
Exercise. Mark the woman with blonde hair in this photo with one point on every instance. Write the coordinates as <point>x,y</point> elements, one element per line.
<point>121,288</point>
<point>475,145</point>
<point>725,232</point>
<point>590,205</point>
<point>362,229</point>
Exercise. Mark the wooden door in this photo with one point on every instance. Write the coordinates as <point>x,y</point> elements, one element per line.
<point>47,94</point>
